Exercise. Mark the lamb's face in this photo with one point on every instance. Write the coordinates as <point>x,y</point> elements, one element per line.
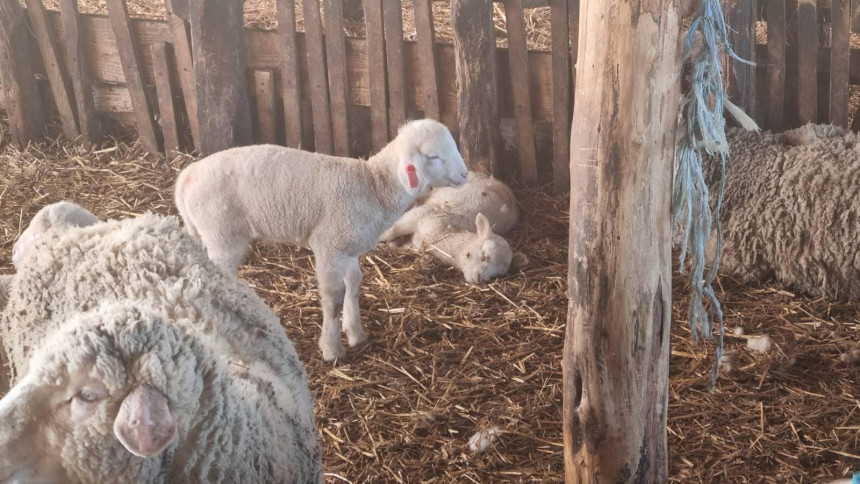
<point>434,157</point>
<point>106,393</point>
<point>487,256</point>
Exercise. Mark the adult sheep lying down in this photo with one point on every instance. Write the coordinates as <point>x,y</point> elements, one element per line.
<point>136,360</point>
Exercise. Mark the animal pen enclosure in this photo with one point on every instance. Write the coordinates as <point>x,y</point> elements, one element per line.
<point>482,357</point>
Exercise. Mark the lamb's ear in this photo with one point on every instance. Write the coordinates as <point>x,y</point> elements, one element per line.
<point>483,225</point>
<point>144,425</point>
<point>410,170</point>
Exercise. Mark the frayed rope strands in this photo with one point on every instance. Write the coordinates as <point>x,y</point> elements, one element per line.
<point>703,132</point>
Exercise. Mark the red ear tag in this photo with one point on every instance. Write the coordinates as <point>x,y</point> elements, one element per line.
<point>413,177</point>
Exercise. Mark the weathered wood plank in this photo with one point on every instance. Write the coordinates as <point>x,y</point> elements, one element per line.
<point>78,66</point>
<point>394,52</point>
<point>376,73</point>
<point>560,95</point>
<point>317,76</point>
<point>264,89</point>
<point>807,54</point>
<point>177,18</point>
<point>290,78</point>
<point>223,95</point>
<point>162,57</point>
<point>776,38</point>
<point>129,58</point>
<point>840,57</point>
<point>427,58</point>
<point>742,21</point>
<point>335,55</point>
<point>477,102</point>
<point>56,74</point>
<point>22,101</point>
<point>518,51</point>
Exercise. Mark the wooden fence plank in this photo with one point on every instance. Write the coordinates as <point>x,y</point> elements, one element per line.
<point>560,95</point>
<point>317,76</point>
<point>264,88</point>
<point>807,53</point>
<point>840,56</point>
<point>393,21</point>
<point>477,102</point>
<point>337,81</point>
<point>776,37</point>
<point>162,55</point>
<point>518,52</point>
<point>22,101</point>
<point>118,12</point>
<point>56,75</point>
<point>177,18</point>
<point>427,58</point>
<point>742,21</point>
<point>376,72</point>
<point>78,65</point>
<point>290,79</point>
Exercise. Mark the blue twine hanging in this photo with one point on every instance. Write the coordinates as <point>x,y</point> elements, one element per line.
<point>703,132</point>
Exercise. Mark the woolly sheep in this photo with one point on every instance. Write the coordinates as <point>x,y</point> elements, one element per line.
<point>456,226</point>
<point>336,206</point>
<point>792,210</point>
<point>60,214</point>
<point>138,360</point>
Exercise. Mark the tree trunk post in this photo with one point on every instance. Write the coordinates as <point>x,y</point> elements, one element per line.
<point>616,353</point>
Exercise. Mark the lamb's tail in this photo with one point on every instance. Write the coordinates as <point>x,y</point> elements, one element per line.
<point>182,182</point>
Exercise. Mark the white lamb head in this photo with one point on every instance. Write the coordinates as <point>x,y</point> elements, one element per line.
<point>60,214</point>
<point>108,390</point>
<point>428,157</point>
<point>486,256</point>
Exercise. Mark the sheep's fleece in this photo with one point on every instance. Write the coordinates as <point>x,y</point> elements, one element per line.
<point>136,360</point>
<point>792,210</point>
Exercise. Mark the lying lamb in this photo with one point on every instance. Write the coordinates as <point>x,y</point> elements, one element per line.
<point>336,206</point>
<point>456,226</point>
<point>137,360</point>
<point>60,214</point>
<point>792,210</point>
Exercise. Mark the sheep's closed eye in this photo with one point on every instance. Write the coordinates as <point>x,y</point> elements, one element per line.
<point>89,396</point>
<point>468,254</point>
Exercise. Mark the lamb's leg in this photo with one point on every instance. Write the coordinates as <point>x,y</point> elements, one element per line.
<point>331,269</point>
<point>407,224</point>
<point>351,314</point>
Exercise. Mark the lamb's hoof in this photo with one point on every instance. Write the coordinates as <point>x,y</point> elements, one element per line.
<point>356,337</point>
<point>333,352</point>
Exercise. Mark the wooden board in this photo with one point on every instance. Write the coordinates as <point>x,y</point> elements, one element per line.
<point>264,89</point>
<point>162,57</point>
<point>177,18</point>
<point>560,95</point>
<point>318,78</point>
<point>776,38</point>
<point>376,73</point>
<point>427,58</point>
<point>290,77</point>
<point>79,72</point>
<point>807,62</point>
<point>394,51</point>
<point>518,51</point>
<point>129,59</point>
<point>56,72</point>
<point>21,98</point>
<point>742,22</point>
<point>840,57</point>
<point>335,56</point>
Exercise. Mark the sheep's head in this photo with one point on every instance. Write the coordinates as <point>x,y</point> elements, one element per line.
<point>428,157</point>
<point>486,256</point>
<point>60,214</point>
<point>106,395</point>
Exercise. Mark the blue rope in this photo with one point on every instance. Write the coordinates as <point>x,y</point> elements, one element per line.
<point>703,132</point>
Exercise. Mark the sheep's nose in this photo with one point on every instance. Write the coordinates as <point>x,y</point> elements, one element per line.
<point>464,175</point>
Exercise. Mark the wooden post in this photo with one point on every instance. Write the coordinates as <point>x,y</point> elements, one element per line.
<point>776,36</point>
<point>338,83</point>
<point>177,18</point>
<point>18,79</point>
<point>317,77</point>
<point>427,58</point>
<point>376,73</point>
<point>616,354</point>
<point>393,20</point>
<point>560,96</point>
<point>477,102</point>
<point>742,24</point>
<point>223,97</point>
<point>807,62</point>
<point>79,72</point>
<point>519,55</point>
<point>264,88</point>
<point>840,56</point>
<point>162,55</point>
<point>290,82</point>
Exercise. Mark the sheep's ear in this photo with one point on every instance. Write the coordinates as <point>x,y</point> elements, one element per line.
<point>483,225</point>
<point>410,171</point>
<point>144,425</point>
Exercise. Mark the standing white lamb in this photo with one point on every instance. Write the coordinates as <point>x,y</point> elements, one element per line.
<point>336,206</point>
<point>135,359</point>
<point>463,227</point>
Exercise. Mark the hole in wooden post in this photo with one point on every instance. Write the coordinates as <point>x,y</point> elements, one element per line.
<point>577,385</point>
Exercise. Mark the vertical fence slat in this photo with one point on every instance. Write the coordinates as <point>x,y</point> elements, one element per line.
<point>840,55</point>
<point>317,76</point>
<point>376,71</point>
<point>337,81</point>
<point>427,58</point>
<point>76,53</point>
<point>264,90</point>
<point>519,55</point>
<point>177,18</point>
<point>393,21</point>
<point>118,11</point>
<point>560,95</point>
<point>776,36</point>
<point>290,79</point>
<point>161,61</point>
<point>56,75</point>
<point>807,61</point>
<point>742,20</point>
<point>23,104</point>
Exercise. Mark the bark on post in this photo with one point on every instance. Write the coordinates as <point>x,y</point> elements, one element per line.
<point>616,353</point>
<point>17,77</point>
<point>477,105</point>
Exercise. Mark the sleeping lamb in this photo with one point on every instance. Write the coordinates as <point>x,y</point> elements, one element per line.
<point>336,206</point>
<point>135,359</point>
